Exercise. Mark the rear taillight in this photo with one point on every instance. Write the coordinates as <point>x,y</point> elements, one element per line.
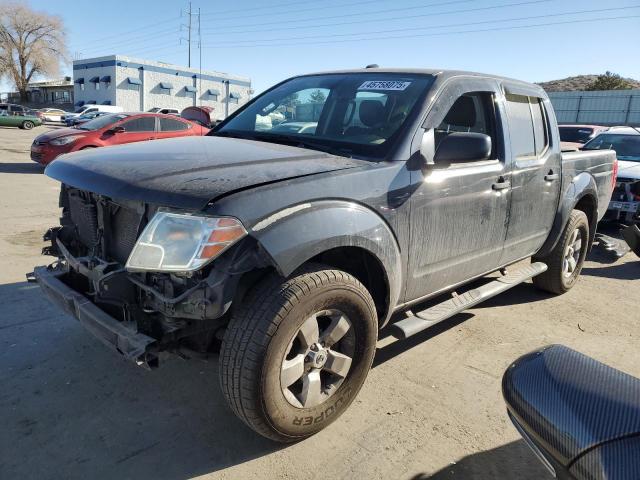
<point>615,173</point>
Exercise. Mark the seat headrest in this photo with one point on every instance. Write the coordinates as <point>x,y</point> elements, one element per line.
<point>371,112</point>
<point>462,113</point>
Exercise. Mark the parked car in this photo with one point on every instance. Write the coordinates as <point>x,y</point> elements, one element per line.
<point>111,129</point>
<point>25,122</point>
<point>296,127</point>
<point>13,109</point>
<point>297,249</point>
<point>579,416</point>
<point>91,108</point>
<point>34,113</point>
<point>625,199</point>
<point>70,122</point>
<point>53,114</point>
<point>573,137</point>
<point>166,111</point>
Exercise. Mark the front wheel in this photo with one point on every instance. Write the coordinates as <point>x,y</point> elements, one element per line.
<point>297,351</point>
<point>567,257</point>
<point>27,125</point>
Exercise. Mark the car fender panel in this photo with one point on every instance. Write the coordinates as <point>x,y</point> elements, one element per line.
<point>296,234</point>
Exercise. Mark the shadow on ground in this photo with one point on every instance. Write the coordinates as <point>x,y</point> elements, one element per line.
<point>21,168</point>
<point>510,461</point>
<point>72,409</point>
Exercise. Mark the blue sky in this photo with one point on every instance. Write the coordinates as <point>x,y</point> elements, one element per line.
<point>269,41</point>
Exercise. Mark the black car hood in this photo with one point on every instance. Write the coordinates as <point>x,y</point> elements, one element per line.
<point>188,172</point>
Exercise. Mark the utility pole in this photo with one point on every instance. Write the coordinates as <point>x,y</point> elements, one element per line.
<point>189,41</point>
<point>188,26</point>
<point>200,52</point>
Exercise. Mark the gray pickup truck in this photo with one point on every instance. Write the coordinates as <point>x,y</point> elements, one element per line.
<point>294,247</point>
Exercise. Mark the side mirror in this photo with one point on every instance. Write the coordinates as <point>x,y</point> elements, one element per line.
<point>461,147</point>
<point>118,129</point>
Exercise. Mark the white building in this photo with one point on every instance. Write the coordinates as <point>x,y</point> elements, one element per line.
<point>139,85</point>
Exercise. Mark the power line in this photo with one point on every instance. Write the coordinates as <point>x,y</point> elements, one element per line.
<point>377,20</point>
<point>233,42</point>
<point>142,38</point>
<point>374,12</point>
<point>128,32</point>
<point>433,34</point>
<point>310,9</point>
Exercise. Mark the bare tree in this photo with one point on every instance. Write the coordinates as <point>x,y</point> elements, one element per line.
<point>31,43</point>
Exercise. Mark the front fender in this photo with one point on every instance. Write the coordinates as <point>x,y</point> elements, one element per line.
<point>296,234</point>
<point>580,186</point>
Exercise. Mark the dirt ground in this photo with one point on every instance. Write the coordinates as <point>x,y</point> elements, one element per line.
<point>431,407</point>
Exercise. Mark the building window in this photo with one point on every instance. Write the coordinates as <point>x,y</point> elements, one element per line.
<point>166,87</point>
<point>213,94</point>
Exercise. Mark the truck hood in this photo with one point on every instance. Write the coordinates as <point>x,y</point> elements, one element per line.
<point>188,172</point>
<point>628,169</point>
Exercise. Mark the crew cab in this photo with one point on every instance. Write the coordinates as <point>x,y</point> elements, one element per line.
<point>296,249</point>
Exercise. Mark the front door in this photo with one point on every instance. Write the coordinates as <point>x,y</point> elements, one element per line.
<point>135,130</point>
<point>535,179</point>
<point>459,213</point>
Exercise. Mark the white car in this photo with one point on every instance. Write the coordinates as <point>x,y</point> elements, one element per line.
<point>625,199</point>
<point>89,108</point>
<point>52,114</point>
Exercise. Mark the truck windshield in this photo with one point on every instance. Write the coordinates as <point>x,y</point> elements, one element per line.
<point>575,134</point>
<point>627,147</point>
<point>351,114</point>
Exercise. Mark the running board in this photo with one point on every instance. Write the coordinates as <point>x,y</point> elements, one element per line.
<point>447,309</point>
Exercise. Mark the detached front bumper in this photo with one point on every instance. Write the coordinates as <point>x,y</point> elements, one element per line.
<point>134,346</point>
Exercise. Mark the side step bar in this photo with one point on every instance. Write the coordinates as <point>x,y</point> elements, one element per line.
<point>447,309</point>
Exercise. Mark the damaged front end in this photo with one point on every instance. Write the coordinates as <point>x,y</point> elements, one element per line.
<point>137,313</point>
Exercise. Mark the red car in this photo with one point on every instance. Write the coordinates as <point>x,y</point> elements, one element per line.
<point>114,129</point>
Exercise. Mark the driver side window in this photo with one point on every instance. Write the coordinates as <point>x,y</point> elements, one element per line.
<point>471,112</point>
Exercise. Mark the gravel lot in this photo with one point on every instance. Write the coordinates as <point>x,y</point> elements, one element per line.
<point>431,407</point>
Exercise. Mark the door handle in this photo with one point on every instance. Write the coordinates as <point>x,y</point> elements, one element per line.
<point>550,177</point>
<point>501,184</point>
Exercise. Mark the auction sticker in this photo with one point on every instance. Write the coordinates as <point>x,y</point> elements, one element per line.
<point>384,85</point>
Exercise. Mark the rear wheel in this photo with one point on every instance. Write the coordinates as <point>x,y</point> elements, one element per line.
<point>27,125</point>
<point>566,259</point>
<point>297,352</point>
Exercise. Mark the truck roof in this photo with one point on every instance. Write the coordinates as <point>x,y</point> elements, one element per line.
<point>441,74</point>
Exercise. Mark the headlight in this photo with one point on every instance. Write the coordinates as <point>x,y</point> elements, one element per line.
<point>173,242</point>
<point>64,140</point>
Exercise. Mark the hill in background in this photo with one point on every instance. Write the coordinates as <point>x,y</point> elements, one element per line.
<point>580,82</point>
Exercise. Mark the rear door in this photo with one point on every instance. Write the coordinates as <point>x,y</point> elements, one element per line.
<point>459,213</point>
<point>536,175</point>
<point>136,129</point>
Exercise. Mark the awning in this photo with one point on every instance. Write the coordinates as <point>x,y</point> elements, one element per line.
<point>91,102</point>
<point>79,80</point>
<point>95,80</point>
<point>190,89</point>
<point>106,102</point>
<point>213,91</point>
<point>134,81</point>
<point>235,95</point>
<point>80,103</point>
<point>166,85</point>
<point>106,79</point>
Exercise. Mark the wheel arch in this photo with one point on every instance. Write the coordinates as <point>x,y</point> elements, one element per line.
<point>581,194</point>
<point>341,234</point>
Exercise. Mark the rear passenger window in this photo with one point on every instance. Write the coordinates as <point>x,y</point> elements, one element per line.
<point>171,125</point>
<point>528,126</point>
<point>472,112</point>
<point>140,124</point>
<point>523,143</point>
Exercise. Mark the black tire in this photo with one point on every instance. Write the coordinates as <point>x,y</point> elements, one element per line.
<point>556,279</point>
<point>262,330</point>
<point>27,125</point>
